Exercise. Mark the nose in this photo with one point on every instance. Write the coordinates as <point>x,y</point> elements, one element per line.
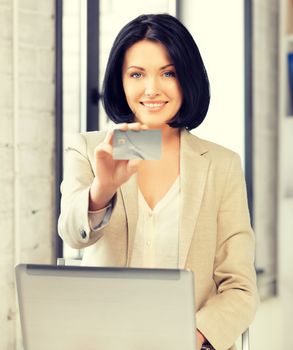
<point>152,87</point>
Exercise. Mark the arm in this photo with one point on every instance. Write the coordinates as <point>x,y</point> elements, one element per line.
<point>227,314</point>
<point>90,186</point>
<point>73,223</point>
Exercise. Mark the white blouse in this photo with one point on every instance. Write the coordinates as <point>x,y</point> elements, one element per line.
<point>157,232</point>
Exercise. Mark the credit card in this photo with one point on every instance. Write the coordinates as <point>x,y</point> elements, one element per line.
<point>132,144</point>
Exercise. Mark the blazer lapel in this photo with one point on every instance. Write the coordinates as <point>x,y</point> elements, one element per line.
<point>193,174</point>
<point>129,196</point>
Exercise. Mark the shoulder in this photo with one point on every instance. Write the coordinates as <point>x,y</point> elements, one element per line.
<point>224,165</point>
<point>210,150</point>
<point>84,143</point>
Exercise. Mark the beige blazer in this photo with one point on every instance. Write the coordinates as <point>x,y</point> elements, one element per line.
<point>216,240</point>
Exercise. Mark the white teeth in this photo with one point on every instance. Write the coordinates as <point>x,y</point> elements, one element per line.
<point>153,105</point>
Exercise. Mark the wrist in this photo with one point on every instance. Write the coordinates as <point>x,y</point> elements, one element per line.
<point>99,196</point>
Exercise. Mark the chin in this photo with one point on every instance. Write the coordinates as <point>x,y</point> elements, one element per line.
<point>152,123</point>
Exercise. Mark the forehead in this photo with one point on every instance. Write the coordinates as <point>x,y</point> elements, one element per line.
<point>146,53</point>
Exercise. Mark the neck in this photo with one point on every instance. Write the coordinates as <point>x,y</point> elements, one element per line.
<point>170,141</point>
<point>169,134</point>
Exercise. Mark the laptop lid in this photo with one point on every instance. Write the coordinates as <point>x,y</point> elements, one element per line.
<point>91,308</point>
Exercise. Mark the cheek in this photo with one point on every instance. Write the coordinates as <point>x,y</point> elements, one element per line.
<point>174,90</point>
<point>179,94</point>
<point>131,93</point>
<point>130,97</point>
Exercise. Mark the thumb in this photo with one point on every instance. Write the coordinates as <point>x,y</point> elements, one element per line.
<point>132,166</point>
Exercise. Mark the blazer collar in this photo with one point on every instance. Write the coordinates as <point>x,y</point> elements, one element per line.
<point>193,174</point>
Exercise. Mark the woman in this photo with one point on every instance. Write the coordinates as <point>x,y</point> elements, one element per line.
<point>186,210</point>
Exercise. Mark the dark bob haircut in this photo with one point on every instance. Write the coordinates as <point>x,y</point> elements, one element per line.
<point>185,56</point>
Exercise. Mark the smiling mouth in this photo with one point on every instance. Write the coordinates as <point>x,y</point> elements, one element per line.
<point>153,106</point>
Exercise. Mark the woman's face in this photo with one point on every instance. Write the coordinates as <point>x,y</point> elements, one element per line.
<point>152,90</point>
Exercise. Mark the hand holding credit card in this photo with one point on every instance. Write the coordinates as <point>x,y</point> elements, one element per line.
<point>133,144</point>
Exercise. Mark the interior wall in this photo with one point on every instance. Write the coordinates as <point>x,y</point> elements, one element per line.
<point>218,30</point>
<point>27,184</point>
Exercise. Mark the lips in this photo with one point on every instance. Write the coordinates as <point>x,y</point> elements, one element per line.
<point>154,105</point>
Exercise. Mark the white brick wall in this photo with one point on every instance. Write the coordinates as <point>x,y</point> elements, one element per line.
<point>36,142</point>
<point>27,145</point>
<point>7,302</point>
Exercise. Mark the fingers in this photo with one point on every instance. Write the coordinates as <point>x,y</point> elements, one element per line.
<point>134,126</point>
<point>131,126</point>
<point>103,150</point>
<point>109,137</point>
<point>123,127</point>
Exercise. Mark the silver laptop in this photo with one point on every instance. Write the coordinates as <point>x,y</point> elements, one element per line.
<point>89,308</point>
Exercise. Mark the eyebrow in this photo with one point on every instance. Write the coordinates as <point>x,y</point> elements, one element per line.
<point>141,68</point>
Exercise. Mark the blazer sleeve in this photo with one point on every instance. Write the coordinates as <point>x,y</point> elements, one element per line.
<point>73,223</point>
<point>228,313</point>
